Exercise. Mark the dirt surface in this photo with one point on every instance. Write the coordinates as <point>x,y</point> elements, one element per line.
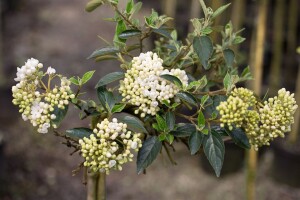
<point>35,166</point>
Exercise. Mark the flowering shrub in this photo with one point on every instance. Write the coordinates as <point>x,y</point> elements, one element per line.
<point>144,112</point>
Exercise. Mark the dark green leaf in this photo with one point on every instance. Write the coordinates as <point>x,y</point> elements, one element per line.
<point>133,123</point>
<point>60,115</point>
<point>148,153</point>
<point>187,97</point>
<point>195,141</point>
<point>106,98</point>
<point>87,76</point>
<point>172,79</point>
<point>170,118</point>
<point>93,4</point>
<point>214,150</point>
<point>104,52</point>
<point>204,49</point>
<point>184,130</point>
<point>79,133</point>
<point>239,137</point>
<point>163,31</point>
<point>130,33</point>
<point>118,108</point>
<point>109,78</point>
<point>229,57</point>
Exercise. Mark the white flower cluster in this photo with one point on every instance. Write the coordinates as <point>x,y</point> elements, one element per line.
<point>261,126</point>
<point>143,86</point>
<point>35,105</point>
<point>110,146</point>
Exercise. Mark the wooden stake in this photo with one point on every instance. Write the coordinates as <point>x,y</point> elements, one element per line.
<point>278,22</point>
<point>295,127</point>
<point>257,67</point>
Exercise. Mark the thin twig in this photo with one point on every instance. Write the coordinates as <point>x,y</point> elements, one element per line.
<point>169,155</point>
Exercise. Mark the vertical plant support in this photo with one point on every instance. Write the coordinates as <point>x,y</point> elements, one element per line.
<point>275,75</point>
<point>237,16</point>
<point>257,68</point>
<point>215,4</point>
<point>2,78</point>
<point>169,8</point>
<point>96,186</point>
<point>295,128</point>
<point>96,182</point>
<point>195,12</point>
<point>292,26</point>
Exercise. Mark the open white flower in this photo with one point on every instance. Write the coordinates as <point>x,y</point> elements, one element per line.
<point>50,71</point>
<point>143,86</point>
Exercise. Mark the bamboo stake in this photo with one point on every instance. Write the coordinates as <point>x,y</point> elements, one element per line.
<point>169,8</point>
<point>237,16</point>
<point>96,182</point>
<point>195,13</point>
<point>257,58</point>
<point>257,63</point>
<point>278,46</point>
<point>295,128</point>
<point>2,77</point>
<point>215,4</point>
<point>292,26</point>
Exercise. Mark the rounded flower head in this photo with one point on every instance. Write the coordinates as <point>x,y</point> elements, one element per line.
<point>110,146</point>
<point>262,123</point>
<point>143,87</point>
<point>37,105</point>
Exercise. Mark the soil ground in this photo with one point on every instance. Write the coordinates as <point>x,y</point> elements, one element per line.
<point>35,166</point>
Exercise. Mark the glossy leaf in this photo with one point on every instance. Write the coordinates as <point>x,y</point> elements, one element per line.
<point>184,130</point>
<point>133,123</point>
<point>106,98</point>
<point>172,79</point>
<point>239,137</point>
<point>187,97</point>
<point>195,141</point>
<point>103,52</point>
<point>109,78</point>
<point>130,33</point>
<point>214,150</point>
<point>60,115</point>
<point>170,119</point>
<point>79,133</point>
<point>148,153</point>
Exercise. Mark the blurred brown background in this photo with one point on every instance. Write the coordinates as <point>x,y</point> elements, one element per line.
<point>61,34</point>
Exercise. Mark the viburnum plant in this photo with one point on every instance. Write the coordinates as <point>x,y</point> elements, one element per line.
<point>146,110</point>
